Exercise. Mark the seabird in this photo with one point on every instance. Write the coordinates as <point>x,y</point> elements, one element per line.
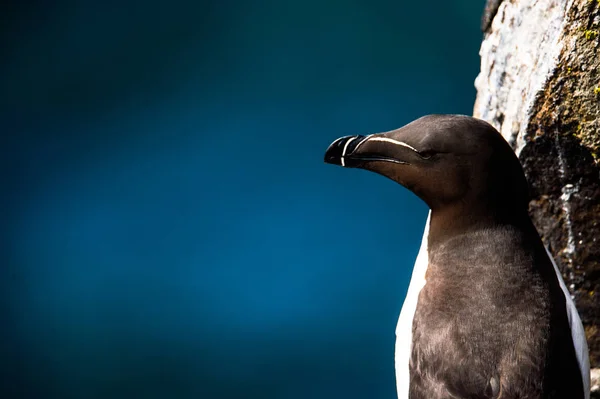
<point>487,313</point>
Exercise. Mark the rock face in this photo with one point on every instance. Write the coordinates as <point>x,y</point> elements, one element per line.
<point>539,85</point>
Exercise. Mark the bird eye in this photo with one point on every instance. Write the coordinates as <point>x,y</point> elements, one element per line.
<point>426,154</point>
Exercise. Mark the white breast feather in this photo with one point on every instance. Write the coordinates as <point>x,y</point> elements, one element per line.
<point>404,327</point>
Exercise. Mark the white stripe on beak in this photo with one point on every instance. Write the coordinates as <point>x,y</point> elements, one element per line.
<point>344,151</point>
<point>387,140</point>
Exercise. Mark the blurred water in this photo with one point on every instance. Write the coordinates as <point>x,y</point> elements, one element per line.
<point>170,228</point>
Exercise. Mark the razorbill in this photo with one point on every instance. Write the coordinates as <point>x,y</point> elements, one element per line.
<point>487,314</point>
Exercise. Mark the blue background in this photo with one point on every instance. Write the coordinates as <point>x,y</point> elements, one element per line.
<point>169,227</point>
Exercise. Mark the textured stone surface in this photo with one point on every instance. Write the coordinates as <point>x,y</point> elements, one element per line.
<point>539,85</point>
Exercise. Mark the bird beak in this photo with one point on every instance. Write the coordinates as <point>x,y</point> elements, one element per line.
<point>339,151</point>
<point>355,151</point>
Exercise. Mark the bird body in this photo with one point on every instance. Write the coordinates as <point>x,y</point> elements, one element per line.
<point>487,315</point>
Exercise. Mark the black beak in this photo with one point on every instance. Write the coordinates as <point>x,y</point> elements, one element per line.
<point>341,148</point>
<point>345,152</point>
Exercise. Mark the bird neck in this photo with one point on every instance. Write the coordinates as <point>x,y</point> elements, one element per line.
<point>460,218</point>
